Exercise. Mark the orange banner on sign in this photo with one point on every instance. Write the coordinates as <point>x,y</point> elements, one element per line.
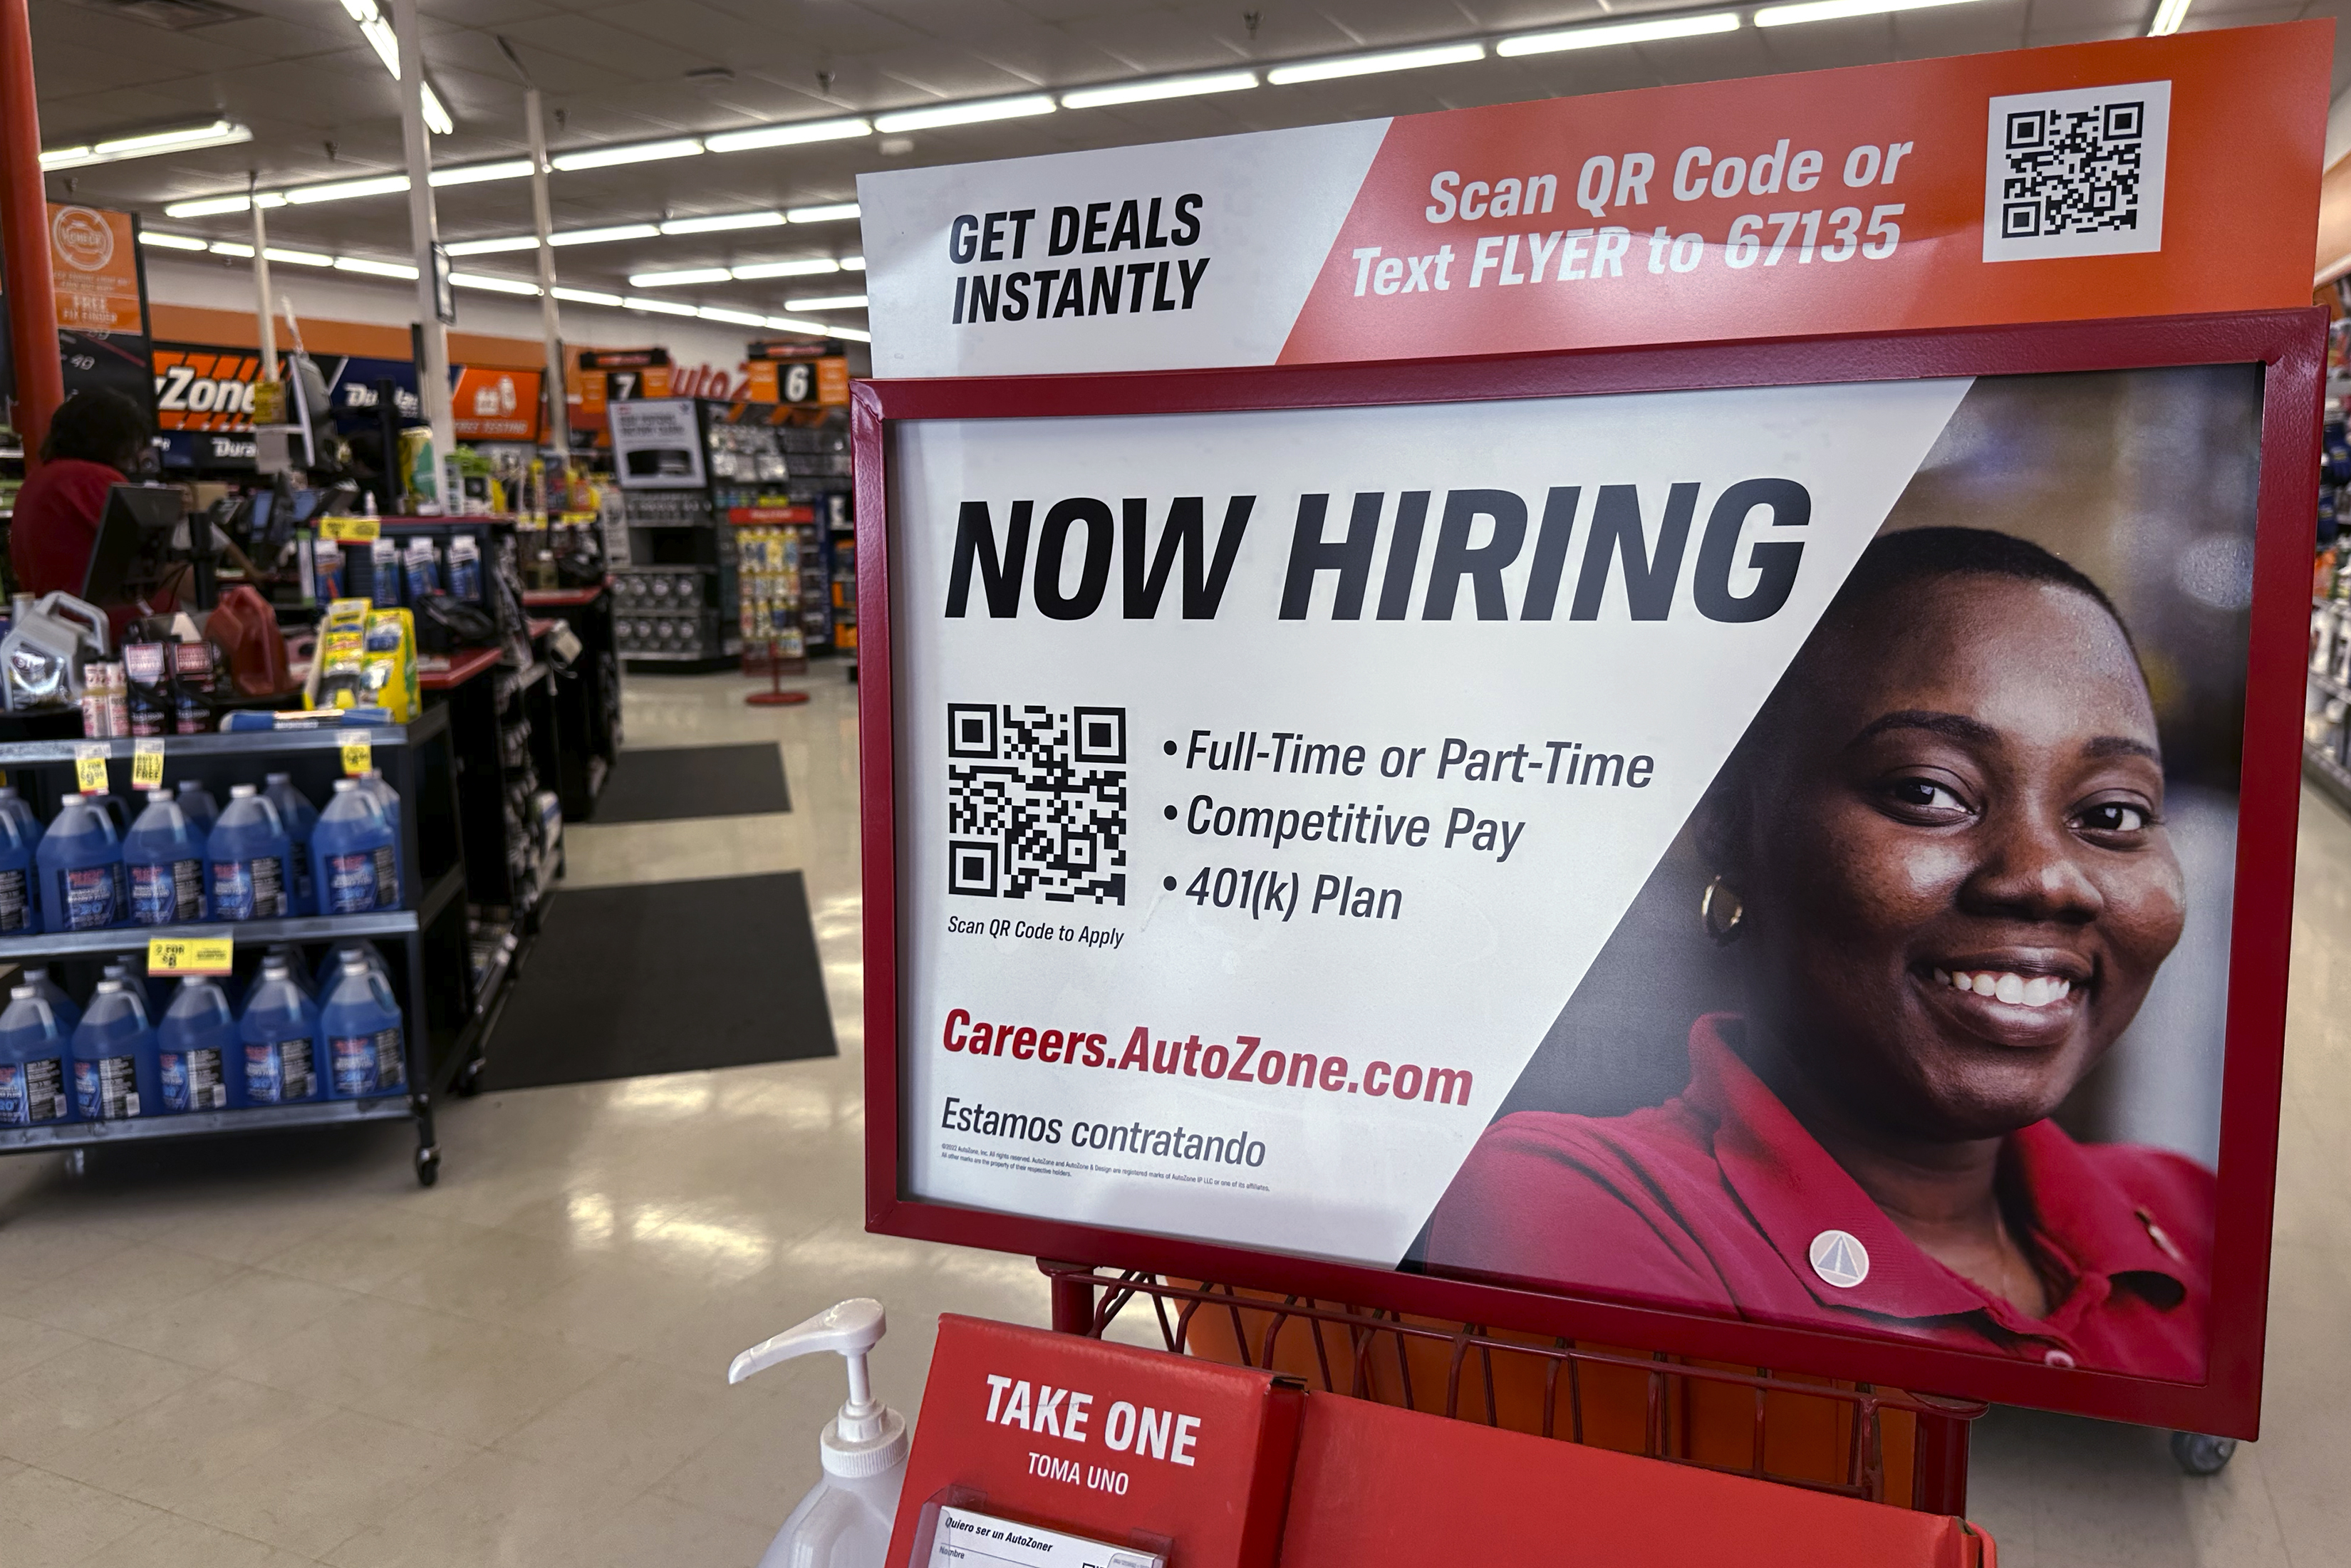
<point>2163,176</point>
<point>496,405</point>
<point>94,261</point>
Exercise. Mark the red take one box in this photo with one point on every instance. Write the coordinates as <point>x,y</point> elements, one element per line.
<point>1104,1440</point>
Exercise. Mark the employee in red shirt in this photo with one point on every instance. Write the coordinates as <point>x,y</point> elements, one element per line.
<point>1944,865</point>
<point>96,440</point>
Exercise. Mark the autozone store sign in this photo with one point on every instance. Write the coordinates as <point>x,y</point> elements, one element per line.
<point>198,388</point>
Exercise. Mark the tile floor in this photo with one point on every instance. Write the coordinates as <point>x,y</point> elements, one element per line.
<point>281,1352</point>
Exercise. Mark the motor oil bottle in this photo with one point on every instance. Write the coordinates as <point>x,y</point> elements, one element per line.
<point>20,913</point>
<point>358,865</point>
<point>80,859</point>
<point>280,1032</point>
<point>69,1011</point>
<point>198,803</point>
<point>844,1521</point>
<point>199,1059</point>
<point>35,1062</point>
<point>116,1077</point>
<point>163,857</point>
<point>247,852</point>
<point>294,810</point>
<point>366,1046</point>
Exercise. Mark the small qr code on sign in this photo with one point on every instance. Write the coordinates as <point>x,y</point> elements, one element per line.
<point>1037,803</point>
<point>2078,172</point>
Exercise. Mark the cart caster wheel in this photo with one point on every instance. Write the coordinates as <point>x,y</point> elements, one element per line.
<point>428,1166</point>
<point>77,1162</point>
<point>2201,1455</point>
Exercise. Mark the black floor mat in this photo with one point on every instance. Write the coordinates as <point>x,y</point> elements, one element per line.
<point>665,977</point>
<point>665,783</point>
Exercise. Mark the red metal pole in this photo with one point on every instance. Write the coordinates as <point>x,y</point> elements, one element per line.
<point>1073,1299</point>
<point>1938,1471</point>
<point>25,237</point>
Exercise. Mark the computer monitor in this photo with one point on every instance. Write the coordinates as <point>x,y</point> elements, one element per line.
<point>134,557</point>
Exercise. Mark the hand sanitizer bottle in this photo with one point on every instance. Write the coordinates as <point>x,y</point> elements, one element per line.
<point>843,1522</point>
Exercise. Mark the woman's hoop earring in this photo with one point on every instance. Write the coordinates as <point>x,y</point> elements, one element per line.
<point>1722,911</point>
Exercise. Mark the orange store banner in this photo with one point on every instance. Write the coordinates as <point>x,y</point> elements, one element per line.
<point>94,261</point>
<point>496,405</point>
<point>2150,176</point>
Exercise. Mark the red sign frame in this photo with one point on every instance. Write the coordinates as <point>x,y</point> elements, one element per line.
<point>2290,346</point>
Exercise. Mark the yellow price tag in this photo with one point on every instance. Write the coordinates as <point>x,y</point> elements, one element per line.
<point>351,530</point>
<point>358,753</point>
<point>269,402</point>
<point>190,955</point>
<point>90,769</point>
<point>147,763</point>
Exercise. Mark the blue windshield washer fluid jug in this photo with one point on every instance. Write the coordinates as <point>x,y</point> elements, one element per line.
<point>199,1055</point>
<point>366,1044</point>
<point>198,803</point>
<point>82,884</point>
<point>299,817</point>
<point>163,861</point>
<point>35,1062</point>
<point>247,855</point>
<point>280,1035</point>
<point>358,867</point>
<point>388,799</point>
<point>13,804</point>
<point>115,1073</point>
<point>20,878</point>
<point>60,1001</point>
<point>333,963</point>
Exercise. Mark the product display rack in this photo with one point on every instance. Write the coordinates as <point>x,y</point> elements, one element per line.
<point>416,760</point>
<point>2326,710</point>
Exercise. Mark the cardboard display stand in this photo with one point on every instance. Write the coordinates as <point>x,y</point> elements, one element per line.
<point>1794,663</point>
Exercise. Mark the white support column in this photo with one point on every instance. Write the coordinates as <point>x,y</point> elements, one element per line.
<point>558,411</point>
<point>265,311</point>
<point>432,375</point>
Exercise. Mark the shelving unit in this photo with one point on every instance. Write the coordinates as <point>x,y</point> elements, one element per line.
<point>418,761</point>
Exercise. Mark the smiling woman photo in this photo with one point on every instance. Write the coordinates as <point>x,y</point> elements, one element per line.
<point>1942,867</point>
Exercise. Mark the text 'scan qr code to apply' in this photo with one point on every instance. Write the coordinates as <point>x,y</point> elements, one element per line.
<point>1037,803</point>
<point>2078,172</point>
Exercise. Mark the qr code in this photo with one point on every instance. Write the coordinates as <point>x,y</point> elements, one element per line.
<point>2078,172</point>
<point>1037,803</point>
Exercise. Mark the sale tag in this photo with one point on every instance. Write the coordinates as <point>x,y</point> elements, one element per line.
<point>351,530</point>
<point>147,763</point>
<point>358,753</point>
<point>190,955</point>
<point>89,768</point>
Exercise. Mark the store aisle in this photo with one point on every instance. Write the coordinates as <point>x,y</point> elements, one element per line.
<point>282,1352</point>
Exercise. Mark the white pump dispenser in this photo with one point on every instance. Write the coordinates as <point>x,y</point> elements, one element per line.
<point>844,1521</point>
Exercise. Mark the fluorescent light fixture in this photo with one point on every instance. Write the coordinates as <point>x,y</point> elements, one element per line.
<point>825,215</point>
<point>634,152</point>
<point>852,263</point>
<point>964,113</point>
<point>588,297</point>
<point>499,245</point>
<point>787,135</point>
<point>172,242</point>
<point>807,266</point>
<point>213,206</point>
<point>1614,33</point>
<point>346,190</point>
<point>598,236</point>
<point>494,285</point>
<point>1167,86</point>
<point>299,258</point>
<point>2167,17</point>
<point>386,44</point>
<point>721,223</point>
<point>854,334</point>
<point>682,278</point>
<point>1368,65</point>
<point>827,302</point>
<point>1838,10</point>
<point>186,139</point>
<point>361,264</point>
<point>659,306</point>
<point>788,324</point>
<point>732,317</point>
<point>475,174</point>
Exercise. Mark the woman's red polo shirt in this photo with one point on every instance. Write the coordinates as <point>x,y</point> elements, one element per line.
<point>1720,1199</point>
